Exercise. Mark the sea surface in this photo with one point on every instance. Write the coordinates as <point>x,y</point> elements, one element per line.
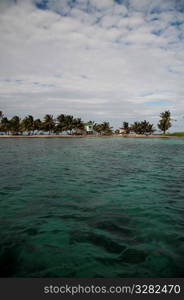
<point>92,207</point>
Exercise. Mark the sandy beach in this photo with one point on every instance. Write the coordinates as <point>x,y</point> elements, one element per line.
<point>88,136</point>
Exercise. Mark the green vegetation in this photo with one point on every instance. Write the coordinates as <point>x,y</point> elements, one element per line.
<point>143,127</point>
<point>68,124</point>
<point>5,125</point>
<point>103,128</point>
<point>14,125</point>
<point>1,115</point>
<point>179,134</point>
<point>28,124</point>
<point>48,123</point>
<point>165,121</point>
<point>126,127</point>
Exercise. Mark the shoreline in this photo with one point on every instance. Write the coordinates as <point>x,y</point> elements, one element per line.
<point>89,136</point>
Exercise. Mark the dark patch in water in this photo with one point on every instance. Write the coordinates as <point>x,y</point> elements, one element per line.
<point>32,231</point>
<point>51,246</point>
<point>133,256</point>
<point>106,243</point>
<point>3,193</point>
<point>78,237</point>
<point>98,240</point>
<point>111,227</point>
<point>46,216</point>
<point>12,188</point>
<point>73,216</point>
<point>30,248</point>
<point>55,231</point>
<point>107,260</point>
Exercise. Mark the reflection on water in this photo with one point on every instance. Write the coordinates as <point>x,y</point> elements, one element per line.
<point>92,207</point>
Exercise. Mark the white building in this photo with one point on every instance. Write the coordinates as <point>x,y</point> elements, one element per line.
<point>89,128</point>
<point>122,131</point>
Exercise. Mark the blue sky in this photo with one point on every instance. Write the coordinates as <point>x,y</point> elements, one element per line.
<point>96,59</point>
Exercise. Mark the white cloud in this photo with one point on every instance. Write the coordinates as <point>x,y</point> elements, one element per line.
<point>96,61</point>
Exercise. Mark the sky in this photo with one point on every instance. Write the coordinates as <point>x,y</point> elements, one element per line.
<point>101,60</point>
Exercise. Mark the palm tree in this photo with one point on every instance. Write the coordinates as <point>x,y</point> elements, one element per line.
<point>98,128</point>
<point>107,130</point>
<point>68,123</point>
<point>165,121</point>
<point>48,123</point>
<point>136,127</point>
<point>116,131</point>
<point>103,128</point>
<point>60,123</point>
<point>1,115</point>
<point>78,125</point>
<point>150,128</point>
<point>15,125</point>
<point>126,127</point>
<point>142,127</point>
<point>37,125</point>
<point>27,124</point>
<point>5,125</point>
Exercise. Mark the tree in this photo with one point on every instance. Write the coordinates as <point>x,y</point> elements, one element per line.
<point>146,127</point>
<point>27,124</point>
<point>106,129</point>
<point>5,125</point>
<point>103,128</point>
<point>78,125</point>
<point>68,123</point>
<point>143,127</point>
<point>165,121</point>
<point>98,128</point>
<point>15,127</point>
<point>1,115</point>
<point>149,128</point>
<point>136,127</point>
<point>117,131</point>
<point>126,127</point>
<point>48,123</point>
<point>37,125</point>
<point>60,123</point>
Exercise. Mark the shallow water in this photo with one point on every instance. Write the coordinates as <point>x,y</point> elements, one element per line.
<point>94,207</point>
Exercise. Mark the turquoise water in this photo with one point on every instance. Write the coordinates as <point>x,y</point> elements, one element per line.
<point>94,207</point>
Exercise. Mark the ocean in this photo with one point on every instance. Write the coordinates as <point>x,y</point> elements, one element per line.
<point>92,207</point>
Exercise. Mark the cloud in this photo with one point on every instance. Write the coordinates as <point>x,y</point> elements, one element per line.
<point>101,60</point>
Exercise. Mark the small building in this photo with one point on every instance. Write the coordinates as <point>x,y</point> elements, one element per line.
<point>89,128</point>
<point>122,131</point>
